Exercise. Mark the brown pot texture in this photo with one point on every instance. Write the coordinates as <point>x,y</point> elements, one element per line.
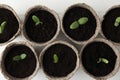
<point>117,62</point>
<point>37,8</point>
<point>5,52</point>
<point>68,75</point>
<point>82,5</point>
<point>6,7</point>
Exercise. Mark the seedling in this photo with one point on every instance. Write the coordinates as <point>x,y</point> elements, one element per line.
<point>19,57</point>
<point>80,21</point>
<point>36,20</point>
<point>117,22</point>
<point>55,58</point>
<point>2,26</point>
<point>103,60</point>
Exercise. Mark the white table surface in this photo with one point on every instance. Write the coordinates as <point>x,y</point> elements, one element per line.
<point>21,6</point>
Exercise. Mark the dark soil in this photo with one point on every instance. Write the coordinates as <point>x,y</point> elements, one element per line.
<point>66,63</point>
<point>109,30</point>
<point>91,55</point>
<point>43,32</point>
<point>22,68</point>
<point>11,27</point>
<point>84,32</point>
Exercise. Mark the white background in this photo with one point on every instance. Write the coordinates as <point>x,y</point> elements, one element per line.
<point>21,6</point>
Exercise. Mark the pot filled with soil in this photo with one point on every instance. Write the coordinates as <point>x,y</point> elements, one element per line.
<point>111,24</point>
<point>41,25</point>
<point>9,24</point>
<point>59,60</point>
<point>19,61</point>
<point>80,23</point>
<point>100,59</point>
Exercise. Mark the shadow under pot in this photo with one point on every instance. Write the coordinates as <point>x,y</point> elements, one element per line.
<point>19,61</point>
<point>59,60</point>
<point>80,23</point>
<point>9,24</point>
<point>41,25</point>
<point>111,24</point>
<point>100,59</point>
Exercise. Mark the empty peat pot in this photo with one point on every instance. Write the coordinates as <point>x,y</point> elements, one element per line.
<point>59,60</point>
<point>19,61</point>
<point>100,59</point>
<point>9,24</point>
<point>111,24</point>
<point>41,25</point>
<point>80,23</point>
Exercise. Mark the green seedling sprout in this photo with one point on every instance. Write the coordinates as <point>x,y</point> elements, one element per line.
<point>19,57</point>
<point>2,26</point>
<point>36,20</point>
<point>117,22</point>
<point>55,58</point>
<point>103,60</point>
<point>80,21</point>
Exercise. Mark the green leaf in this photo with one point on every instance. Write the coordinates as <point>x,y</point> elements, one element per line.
<point>103,60</point>
<point>55,58</point>
<point>117,22</point>
<point>2,26</point>
<point>19,57</point>
<point>74,25</point>
<point>23,56</point>
<point>36,20</point>
<point>83,20</point>
<point>16,58</point>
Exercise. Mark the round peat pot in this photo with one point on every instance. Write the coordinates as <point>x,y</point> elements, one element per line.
<point>100,59</point>
<point>9,24</point>
<point>19,61</point>
<point>41,25</point>
<point>111,25</point>
<point>59,60</point>
<point>80,23</point>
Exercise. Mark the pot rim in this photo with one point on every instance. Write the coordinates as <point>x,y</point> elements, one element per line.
<point>70,74</point>
<point>98,25</point>
<point>7,75</point>
<point>19,22</point>
<point>40,7</point>
<point>101,31</point>
<point>117,65</point>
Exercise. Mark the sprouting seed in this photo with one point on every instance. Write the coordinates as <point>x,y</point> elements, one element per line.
<point>79,22</point>
<point>55,58</point>
<point>19,57</point>
<point>103,60</point>
<point>2,26</point>
<point>36,20</point>
<point>117,22</point>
